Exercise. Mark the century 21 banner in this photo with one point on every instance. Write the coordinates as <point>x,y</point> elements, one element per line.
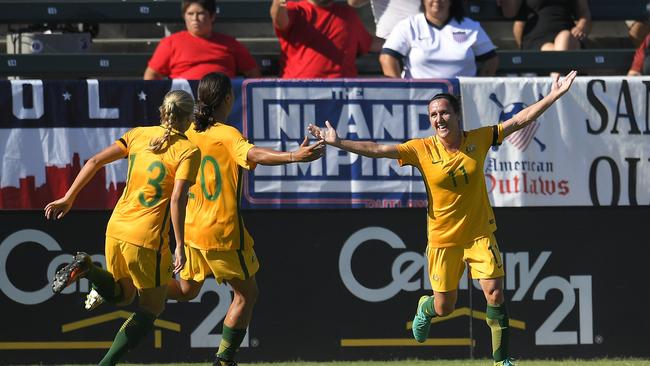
<point>348,292</point>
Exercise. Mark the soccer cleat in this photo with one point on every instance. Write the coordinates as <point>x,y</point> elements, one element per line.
<point>93,300</point>
<point>506,362</point>
<point>77,269</point>
<point>221,362</point>
<point>421,322</point>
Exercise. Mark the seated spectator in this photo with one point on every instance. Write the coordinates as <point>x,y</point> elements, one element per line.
<point>549,25</point>
<point>439,43</point>
<point>387,13</point>
<point>641,62</point>
<point>320,38</point>
<point>198,50</point>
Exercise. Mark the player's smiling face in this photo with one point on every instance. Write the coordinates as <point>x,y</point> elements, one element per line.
<point>443,118</point>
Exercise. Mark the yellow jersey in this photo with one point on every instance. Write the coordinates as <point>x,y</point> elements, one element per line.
<point>141,216</point>
<point>459,209</point>
<point>213,220</point>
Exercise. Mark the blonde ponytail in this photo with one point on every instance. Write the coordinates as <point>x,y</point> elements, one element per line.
<point>176,113</point>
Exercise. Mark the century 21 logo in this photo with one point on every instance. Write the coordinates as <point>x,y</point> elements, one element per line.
<point>520,277</point>
<point>201,337</point>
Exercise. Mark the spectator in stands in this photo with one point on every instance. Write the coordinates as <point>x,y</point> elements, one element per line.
<point>320,38</point>
<point>438,43</point>
<point>387,13</point>
<point>641,62</point>
<point>549,25</point>
<point>198,50</point>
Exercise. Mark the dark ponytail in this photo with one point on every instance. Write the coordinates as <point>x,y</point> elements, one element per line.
<point>212,91</point>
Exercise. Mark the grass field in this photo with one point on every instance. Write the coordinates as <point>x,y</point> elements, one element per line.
<point>484,362</point>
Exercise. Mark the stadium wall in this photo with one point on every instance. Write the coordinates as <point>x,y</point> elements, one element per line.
<point>347,290</point>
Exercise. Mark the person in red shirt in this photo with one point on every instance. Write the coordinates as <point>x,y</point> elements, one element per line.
<point>197,51</point>
<point>641,62</point>
<point>320,38</point>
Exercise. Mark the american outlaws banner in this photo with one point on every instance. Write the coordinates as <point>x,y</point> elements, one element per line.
<point>592,147</point>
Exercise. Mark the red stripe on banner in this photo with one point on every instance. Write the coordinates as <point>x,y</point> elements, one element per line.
<point>522,138</point>
<point>95,195</point>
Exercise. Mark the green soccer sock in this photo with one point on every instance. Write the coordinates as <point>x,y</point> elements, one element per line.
<point>134,329</point>
<point>497,319</point>
<point>103,281</point>
<point>230,341</point>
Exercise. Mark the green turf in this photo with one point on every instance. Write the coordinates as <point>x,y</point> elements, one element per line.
<point>484,362</point>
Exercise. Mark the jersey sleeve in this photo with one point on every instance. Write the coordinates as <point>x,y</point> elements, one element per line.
<point>160,60</point>
<point>497,134</point>
<point>489,136</point>
<point>188,167</point>
<point>398,41</point>
<point>239,147</point>
<point>408,153</point>
<point>483,44</point>
<point>125,141</point>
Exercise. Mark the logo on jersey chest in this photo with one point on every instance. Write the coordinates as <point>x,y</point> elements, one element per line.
<point>460,36</point>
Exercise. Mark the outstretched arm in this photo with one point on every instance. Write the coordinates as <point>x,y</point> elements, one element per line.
<point>305,152</point>
<point>531,113</point>
<point>365,148</point>
<point>57,209</point>
<point>279,14</point>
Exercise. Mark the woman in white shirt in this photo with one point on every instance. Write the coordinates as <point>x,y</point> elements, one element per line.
<point>438,43</point>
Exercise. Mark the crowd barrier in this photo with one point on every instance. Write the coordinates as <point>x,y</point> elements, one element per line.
<point>132,65</point>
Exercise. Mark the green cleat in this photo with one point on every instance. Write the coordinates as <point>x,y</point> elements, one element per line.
<point>506,362</point>
<point>421,322</point>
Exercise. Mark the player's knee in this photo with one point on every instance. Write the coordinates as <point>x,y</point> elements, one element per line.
<point>495,297</point>
<point>247,298</point>
<point>190,293</point>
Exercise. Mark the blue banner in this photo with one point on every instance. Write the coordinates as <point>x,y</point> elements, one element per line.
<point>277,112</point>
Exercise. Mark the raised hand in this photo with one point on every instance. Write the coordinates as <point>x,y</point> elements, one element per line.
<point>327,134</point>
<point>560,87</point>
<point>307,152</point>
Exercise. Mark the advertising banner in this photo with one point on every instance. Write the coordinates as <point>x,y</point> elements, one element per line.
<point>591,148</point>
<point>277,113</point>
<point>348,292</point>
